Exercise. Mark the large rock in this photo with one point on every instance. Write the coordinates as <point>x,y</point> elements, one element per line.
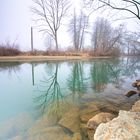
<point>70,120</point>
<point>125,127</point>
<point>99,118</point>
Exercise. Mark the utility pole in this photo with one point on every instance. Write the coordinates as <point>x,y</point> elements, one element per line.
<point>32,45</point>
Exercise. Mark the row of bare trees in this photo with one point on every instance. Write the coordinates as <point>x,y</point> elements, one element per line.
<point>78,25</point>
<point>105,39</point>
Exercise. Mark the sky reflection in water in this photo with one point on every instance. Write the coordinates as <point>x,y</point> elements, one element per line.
<point>53,88</point>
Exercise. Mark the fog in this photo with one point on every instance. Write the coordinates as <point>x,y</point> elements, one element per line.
<point>17,19</point>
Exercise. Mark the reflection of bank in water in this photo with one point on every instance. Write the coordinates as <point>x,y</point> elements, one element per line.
<point>62,113</point>
<point>77,82</point>
<point>10,66</point>
<point>104,72</point>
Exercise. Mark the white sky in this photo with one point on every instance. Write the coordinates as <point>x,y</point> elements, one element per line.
<point>16,21</point>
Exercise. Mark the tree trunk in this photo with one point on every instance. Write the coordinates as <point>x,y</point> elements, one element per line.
<point>56,41</point>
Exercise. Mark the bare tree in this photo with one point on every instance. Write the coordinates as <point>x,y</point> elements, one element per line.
<point>132,43</point>
<point>105,39</point>
<point>77,26</point>
<point>50,14</point>
<point>131,6</point>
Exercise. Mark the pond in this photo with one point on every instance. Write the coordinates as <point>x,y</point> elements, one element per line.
<point>54,99</point>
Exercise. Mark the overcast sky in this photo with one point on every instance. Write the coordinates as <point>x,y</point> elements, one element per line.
<point>16,21</point>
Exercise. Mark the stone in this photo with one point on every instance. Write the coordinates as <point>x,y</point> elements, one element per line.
<point>110,108</point>
<point>42,123</point>
<point>125,127</point>
<point>90,134</point>
<point>87,113</point>
<point>50,133</point>
<point>136,107</point>
<point>70,120</point>
<point>130,93</point>
<point>99,118</point>
<point>83,128</point>
<point>77,136</point>
<point>136,84</point>
<point>87,134</point>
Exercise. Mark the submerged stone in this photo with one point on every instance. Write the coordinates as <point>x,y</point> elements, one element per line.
<point>77,136</point>
<point>70,120</point>
<point>88,113</point>
<point>136,84</point>
<point>41,123</point>
<point>50,133</point>
<point>130,93</point>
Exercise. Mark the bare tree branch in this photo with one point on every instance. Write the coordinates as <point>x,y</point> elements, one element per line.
<point>51,13</point>
<point>134,2</point>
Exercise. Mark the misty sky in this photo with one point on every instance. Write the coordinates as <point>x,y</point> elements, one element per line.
<point>16,20</point>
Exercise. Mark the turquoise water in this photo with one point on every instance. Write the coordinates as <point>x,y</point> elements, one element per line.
<point>30,90</point>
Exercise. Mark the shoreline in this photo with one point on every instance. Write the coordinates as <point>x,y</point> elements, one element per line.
<point>124,122</point>
<point>45,58</point>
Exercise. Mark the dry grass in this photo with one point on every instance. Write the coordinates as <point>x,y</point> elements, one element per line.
<point>9,50</point>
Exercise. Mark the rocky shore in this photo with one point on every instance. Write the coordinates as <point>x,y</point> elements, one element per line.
<point>125,127</point>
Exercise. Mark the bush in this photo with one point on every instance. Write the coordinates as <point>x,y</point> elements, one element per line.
<point>9,50</point>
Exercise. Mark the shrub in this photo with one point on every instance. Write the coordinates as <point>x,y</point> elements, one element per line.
<point>9,50</point>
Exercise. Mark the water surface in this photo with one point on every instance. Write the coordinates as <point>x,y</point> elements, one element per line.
<point>36,98</point>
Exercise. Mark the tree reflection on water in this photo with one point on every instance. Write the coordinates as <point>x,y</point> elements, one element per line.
<point>52,98</point>
<point>104,72</point>
<point>55,100</point>
<point>76,80</point>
